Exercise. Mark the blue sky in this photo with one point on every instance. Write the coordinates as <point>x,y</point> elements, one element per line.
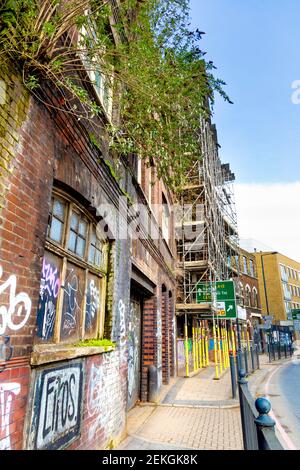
<point>256,46</point>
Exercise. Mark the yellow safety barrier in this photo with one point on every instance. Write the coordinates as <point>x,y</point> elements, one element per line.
<point>206,347</point>
<point>233,341</point>
<point>216,354</point>
<point>199,348</point>
<point>196,348</point>
<point>193,349</point>
<point>203,347</point>
<point>227,348</point>
<point>186,349</point>
<point>224,349</point>
<point>219,350</point>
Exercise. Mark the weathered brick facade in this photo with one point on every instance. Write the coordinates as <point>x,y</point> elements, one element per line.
<point>41,384</point>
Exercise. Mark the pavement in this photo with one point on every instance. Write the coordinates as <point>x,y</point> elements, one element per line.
<point>196,413</point>
<point>191,414</point>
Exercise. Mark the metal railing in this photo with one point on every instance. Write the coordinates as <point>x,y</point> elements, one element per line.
<point>245,359</point>
<point>277,351</point>
<point>258,427</point>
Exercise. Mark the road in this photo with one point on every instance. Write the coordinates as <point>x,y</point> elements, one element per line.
<point>283,389</point>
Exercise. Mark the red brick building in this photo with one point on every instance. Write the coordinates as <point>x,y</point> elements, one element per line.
<point>249,293</point>
<point>73,267</point>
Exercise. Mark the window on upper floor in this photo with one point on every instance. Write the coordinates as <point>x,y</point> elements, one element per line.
<point>283,272</point>
<point>245,266</point>
<point>165,219</point>
<point>99,71</point>
<point>248,296</point>
<point>255,297</point>
<point>251,266</point>
<point>286,291</point>
<point>72,288</point>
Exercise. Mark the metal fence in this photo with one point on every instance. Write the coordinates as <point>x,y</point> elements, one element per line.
<point>246,359</point>
<point>277,351</point>
<point>258,428</point>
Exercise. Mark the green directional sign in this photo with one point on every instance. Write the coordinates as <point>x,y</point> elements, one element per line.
<point>225,290</point>
<point>204,293</point>
<point>227,309</point>
<point>225,297</point>
<point>294,314</point>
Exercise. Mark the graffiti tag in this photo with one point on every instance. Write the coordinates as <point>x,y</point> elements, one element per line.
<point>58,410</point>
<point>18,305</point>
<point>7,392</point>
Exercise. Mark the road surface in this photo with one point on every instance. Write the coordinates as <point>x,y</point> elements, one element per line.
<point>283,389</point>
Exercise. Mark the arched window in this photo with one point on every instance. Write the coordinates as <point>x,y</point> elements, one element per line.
<point>72,288</point>
<point>248,296</point>
<point>255,297</point>
<point>241,292</point>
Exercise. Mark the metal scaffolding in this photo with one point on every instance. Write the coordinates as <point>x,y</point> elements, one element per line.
<point>206,231</point>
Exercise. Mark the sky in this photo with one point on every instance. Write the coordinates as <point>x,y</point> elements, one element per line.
<point>255,45</point>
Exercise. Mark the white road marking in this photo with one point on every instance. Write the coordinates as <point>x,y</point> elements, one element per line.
<point>289,443</point>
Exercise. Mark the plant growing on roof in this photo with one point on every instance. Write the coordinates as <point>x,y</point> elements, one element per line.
<point>144,52</point>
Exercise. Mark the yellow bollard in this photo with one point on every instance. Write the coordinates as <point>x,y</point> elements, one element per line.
<point>216,354</point>
<point>227,348</point>
<point>207,349</point>
<point>186,349</point>
<point>219,350</point>
<point>203,347</point>
<point>233,341</point>
<point>224,349</point>
<point>193,349</point>
<point>199,348</point>
<point>196,348</point>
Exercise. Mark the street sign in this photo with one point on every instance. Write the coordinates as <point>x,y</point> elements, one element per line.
<point>225,297</point>
<point>297,325</point>
<point>225,290</point>
<point>294,314</point>
<point>204,294</point>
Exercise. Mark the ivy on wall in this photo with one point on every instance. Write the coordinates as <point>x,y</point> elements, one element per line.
<point>143,50</point>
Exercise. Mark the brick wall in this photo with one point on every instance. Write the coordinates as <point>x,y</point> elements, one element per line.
<point>38,150</point>
<point>165,337</point>
<point>14,383</point>
<point>148,342</point>
<point>86,411</point>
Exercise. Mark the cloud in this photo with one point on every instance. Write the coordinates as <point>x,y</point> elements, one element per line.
<point>270,213</point>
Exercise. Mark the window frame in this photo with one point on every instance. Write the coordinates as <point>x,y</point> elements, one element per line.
<point>105,87</point>
<point>68,257</point>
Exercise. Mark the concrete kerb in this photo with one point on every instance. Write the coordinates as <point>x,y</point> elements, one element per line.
<point>263,374</point>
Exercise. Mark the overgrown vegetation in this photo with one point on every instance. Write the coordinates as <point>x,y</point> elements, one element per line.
<point>105,343</point>
<point>156,70</point>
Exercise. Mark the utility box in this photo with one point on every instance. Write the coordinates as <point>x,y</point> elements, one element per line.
<point>152,384</point>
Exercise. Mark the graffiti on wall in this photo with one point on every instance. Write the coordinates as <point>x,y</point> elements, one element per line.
<point>72,303</point>
<point>19,305</point>
<point>105,398</point>
<point>134,334</point>
<point>123,338</point>
<point>49,290</point>
<point>92,306</point>
<point>94,398</point>
<point>57,408</point>
<point>7,393</point>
